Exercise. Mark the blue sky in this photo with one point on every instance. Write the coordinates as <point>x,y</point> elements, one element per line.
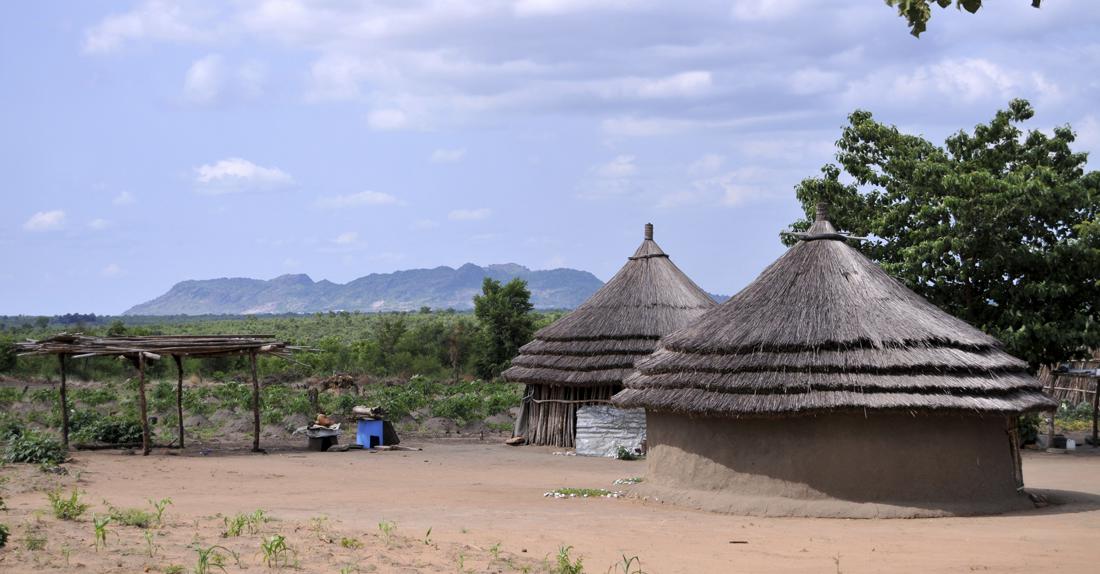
<point>144,143</point>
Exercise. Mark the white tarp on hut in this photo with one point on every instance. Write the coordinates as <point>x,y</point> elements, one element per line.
<point>602,429</point>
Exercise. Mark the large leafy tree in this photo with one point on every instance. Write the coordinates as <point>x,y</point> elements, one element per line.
<point>918,12</point>
<point>998,227</point>
<point>504,312</point>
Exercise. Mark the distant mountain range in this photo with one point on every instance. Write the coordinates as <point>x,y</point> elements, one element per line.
<point>438,288</point>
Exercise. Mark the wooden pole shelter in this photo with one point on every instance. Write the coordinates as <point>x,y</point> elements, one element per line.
<point>179,395</point>
<point>255,404</point>
<point>146,443</point>
<point>139,349</point>
<point>64,404</point>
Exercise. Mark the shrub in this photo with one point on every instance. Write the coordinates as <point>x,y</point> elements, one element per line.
<point>36,448</point>
<point>109,430</point>
<point>66,508</point>
<point>4,532</point>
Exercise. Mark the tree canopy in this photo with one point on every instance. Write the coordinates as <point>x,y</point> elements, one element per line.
<point>918,12</point>
<point>506,321</point>
<point>998,227</point>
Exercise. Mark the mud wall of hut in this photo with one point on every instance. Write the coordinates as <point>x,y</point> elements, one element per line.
<point>845,465</point>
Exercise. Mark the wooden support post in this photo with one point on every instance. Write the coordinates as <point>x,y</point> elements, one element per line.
<point>146,443</point>
<point>179,395</point>
<point>64,404</point>
<point>1095,407</point>
<point>255,404</point>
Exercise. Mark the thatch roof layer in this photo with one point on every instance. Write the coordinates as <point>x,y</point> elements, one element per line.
<point>824,328</point>
<point>598,343</point>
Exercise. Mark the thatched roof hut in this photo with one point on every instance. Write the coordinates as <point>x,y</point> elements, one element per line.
<point>583,357</point>
<point>830,367</point>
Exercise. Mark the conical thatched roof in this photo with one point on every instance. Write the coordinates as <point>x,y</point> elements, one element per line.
<point>823,328</point>
<point>598,342</point>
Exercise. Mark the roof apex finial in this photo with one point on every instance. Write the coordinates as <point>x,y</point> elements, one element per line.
<point>649,231</point>
<point>822,211</point>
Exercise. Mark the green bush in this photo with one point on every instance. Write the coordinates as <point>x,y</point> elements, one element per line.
<point>34,447</point>
<point>89,426</point>
<point>4,532</point>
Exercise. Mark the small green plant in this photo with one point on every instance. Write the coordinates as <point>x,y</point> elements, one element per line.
<point>67,553</point>
<point>386,527</point>
<point>172,569</point>
<point>211,557</point>
<point>494,551</point>
<point>428,536</point>
<point>4,533</point>
<point>160,506</point>
<point>625,454</point>
<point>351,543</point>
<point>241,522</point>
<point>275,550</point>
<point>66,508</point>
<point>566,564</point>
<point>36,448</point>
<point>131,516</point>
<point>582,493</point>
<point>99,523</point>
<point>151,546</point>
<point>631,565</point>
<point>35,539</point>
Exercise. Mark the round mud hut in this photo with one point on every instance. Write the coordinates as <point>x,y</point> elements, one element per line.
<point>827,388</point>
<point>582,358</point>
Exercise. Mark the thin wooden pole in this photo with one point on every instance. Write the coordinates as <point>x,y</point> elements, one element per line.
<point>64,404</point>
<point>255,404</point>
<point>146,443</point>
<point>179,395</point>
<point>1095,409</point>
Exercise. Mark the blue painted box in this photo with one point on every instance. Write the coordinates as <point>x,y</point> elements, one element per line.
<point>369,433</point>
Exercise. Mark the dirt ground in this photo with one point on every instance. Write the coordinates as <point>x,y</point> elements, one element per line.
<point>484,506</point>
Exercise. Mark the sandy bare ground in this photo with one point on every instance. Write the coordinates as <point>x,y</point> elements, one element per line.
<point>485,507</point>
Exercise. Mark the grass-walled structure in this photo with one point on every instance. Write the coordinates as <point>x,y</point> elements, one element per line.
<point>583,357</point>
<point>827,388</point>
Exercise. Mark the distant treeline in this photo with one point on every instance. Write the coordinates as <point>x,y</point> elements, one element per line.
<point>435,344</point>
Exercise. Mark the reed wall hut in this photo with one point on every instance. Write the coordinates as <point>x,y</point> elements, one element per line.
<point>583,357</point>
<point>827,388</point>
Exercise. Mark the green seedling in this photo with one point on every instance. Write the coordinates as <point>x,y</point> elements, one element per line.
<point>160,506</point>
<point>210,557</point>
<point>100,524</point>
<point>566,564</point>
<point>351,543</point>
<point>275,550</point>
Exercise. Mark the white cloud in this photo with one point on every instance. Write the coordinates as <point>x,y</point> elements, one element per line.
<point>808,81</point>
<point>758,10</point>
<point>99,224</point>
<point>620,167</point>
<point>204,80</point>
<point>45,221</point>
<point>1088,135</point>
<point>252,79</point>
<point>357,199</point>
<point>155,20</point>
<point>707,164</point>
<point>448,155</point>
<point>685,84</point>
<point>387,119</point>
<point>968,80</point>
<point>111,270</point>
<point>335,77</point>
<point>234,175</point>
<point>558,7</point>
<point>346,238</point>
<point>469,214</point>
<point>124,198</point>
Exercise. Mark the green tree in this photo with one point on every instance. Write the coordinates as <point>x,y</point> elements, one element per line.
<point>504,313</point>
<point>918,12</point>
<point>998,227</point>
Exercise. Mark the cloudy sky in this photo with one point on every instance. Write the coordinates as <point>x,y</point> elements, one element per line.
<point>144,143</point>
